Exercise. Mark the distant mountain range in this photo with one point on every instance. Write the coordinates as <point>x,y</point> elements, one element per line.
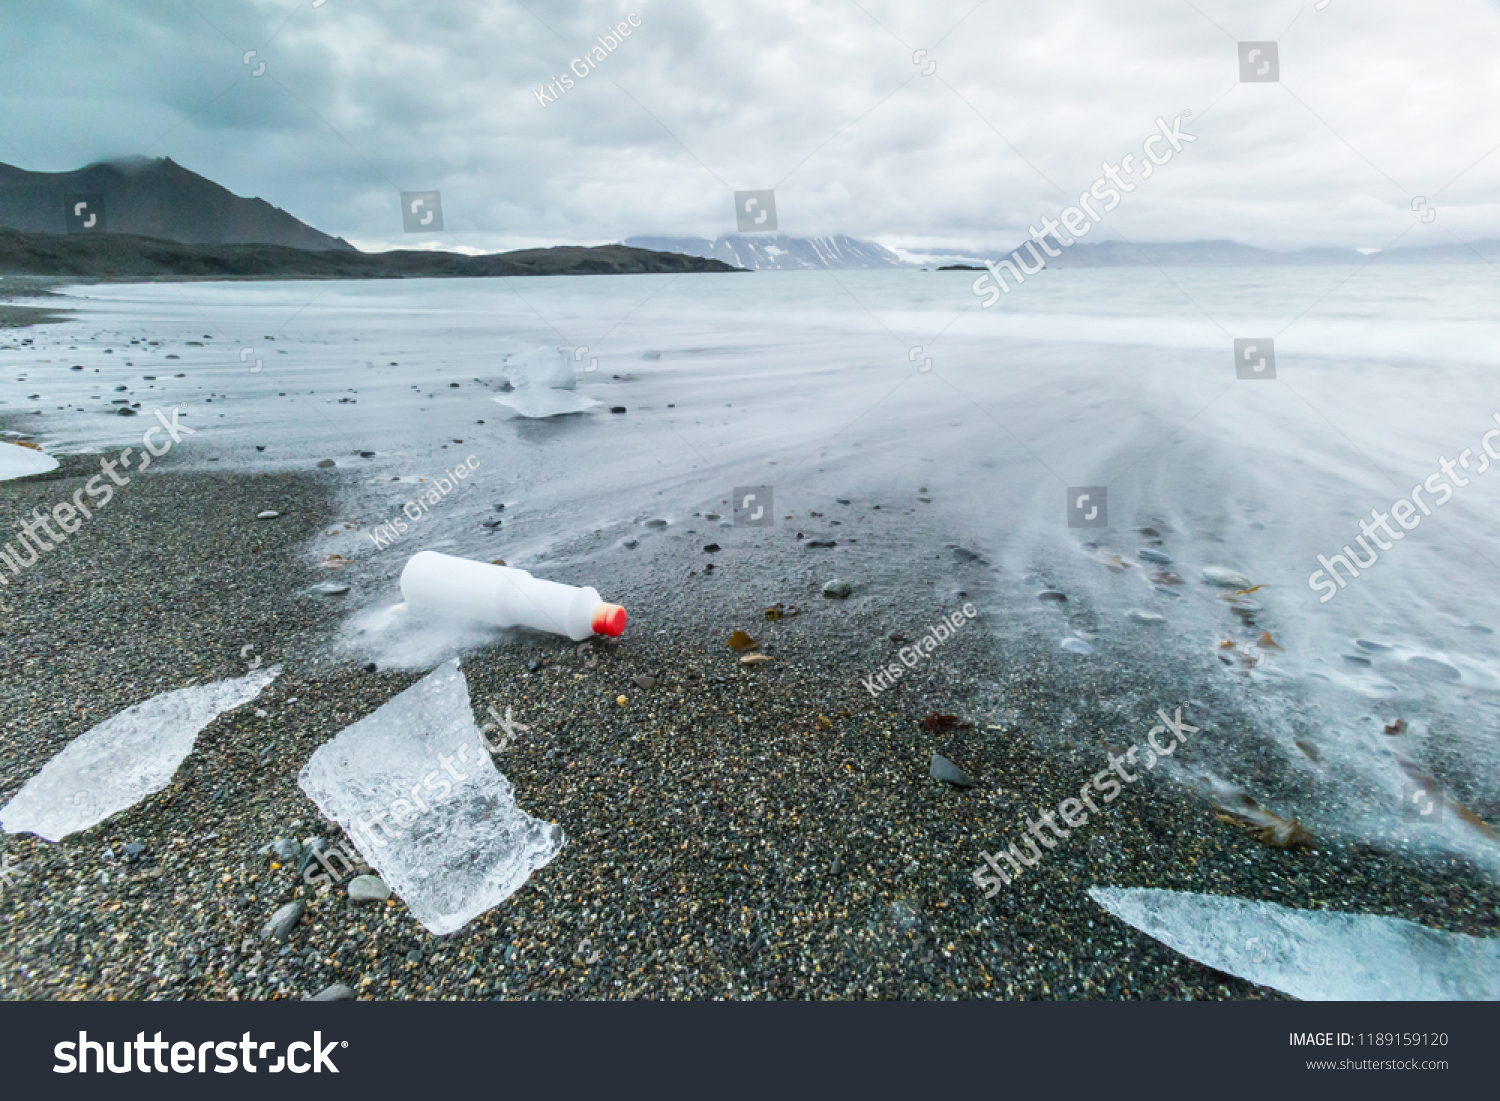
<point>781,252</point>
<point>778,252</point>
<point>1107,254</point>
<point>153,198</point>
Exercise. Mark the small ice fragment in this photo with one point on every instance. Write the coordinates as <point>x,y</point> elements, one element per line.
<point>545,366</point>
<point>1315,955</point>
<point>543,382</point>
<point>541,401</point>
<point>1076,646</point>
<point>124,759</point>
<point>21,462</point>
<point>452,844</point>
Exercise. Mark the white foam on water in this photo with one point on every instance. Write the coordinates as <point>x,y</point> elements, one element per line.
<point>397,636</point>
<point>129,756</point>
<point>1313,955</point>
<point>454,854</point>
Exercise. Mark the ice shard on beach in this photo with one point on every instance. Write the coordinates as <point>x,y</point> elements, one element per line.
<point>413,785</point>
<point>129,756</point>
<point>22,462</point>
<point>1314,955</point>
<point>543,384</point>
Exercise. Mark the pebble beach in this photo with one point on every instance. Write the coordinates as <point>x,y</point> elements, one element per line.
<point>734,830</point>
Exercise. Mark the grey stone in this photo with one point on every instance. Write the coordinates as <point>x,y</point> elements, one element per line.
<point>1225,578</point>
<point>338,992</point>
<point>368,888</point>
<point>1156,556</point>
<point>945,770</point>
<point>282,921</point>
<point>324,465</point>
<point>837,590</point>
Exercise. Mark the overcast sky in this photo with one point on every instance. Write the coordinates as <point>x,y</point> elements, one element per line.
<point>1379,102</point>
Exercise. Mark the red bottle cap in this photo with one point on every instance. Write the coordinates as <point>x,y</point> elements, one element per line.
<point>609,619</point>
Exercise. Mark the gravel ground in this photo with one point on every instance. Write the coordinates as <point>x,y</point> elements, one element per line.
<point>733,831</point>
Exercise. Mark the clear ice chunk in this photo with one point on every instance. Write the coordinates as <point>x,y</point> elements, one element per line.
<point>413,786</point>
<point>1311,954</point>
<point>127,757</point>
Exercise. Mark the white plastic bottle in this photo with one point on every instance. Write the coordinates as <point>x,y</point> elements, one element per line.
<point>506,597</point>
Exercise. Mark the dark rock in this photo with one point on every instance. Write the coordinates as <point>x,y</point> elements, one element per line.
<point>642,681</point>
<point>324,465</point>
<point>1155,556</point>
<point>711,548</point>
<point>617,409</point>
<point>963,554</point>
<point>1053,595</point>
